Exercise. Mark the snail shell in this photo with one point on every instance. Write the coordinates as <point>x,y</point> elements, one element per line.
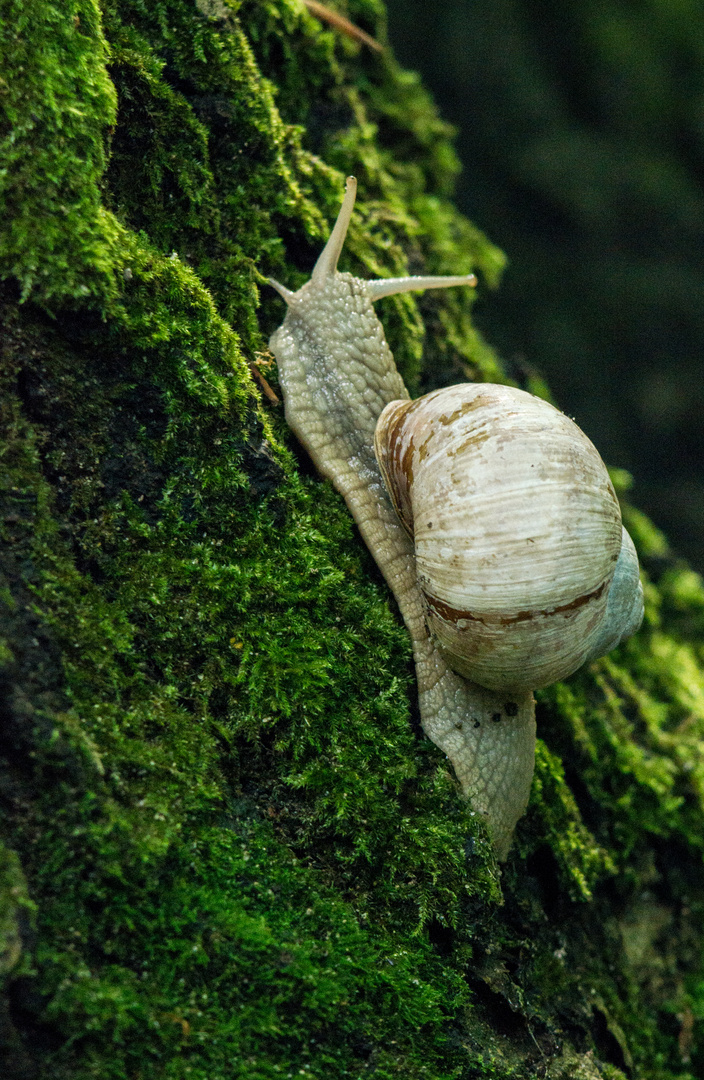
<point>517,533</point>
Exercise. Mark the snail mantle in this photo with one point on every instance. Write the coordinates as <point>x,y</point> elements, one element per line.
<point>488,511</point>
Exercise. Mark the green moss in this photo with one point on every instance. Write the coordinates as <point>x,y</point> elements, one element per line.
<point>58,241</point>
<point>245,858</point>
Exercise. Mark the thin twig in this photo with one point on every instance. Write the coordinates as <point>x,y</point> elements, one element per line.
<point>342,24</point>
<point>263,383</point>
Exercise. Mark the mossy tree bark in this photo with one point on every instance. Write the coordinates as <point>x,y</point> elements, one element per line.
<point>229,851</point>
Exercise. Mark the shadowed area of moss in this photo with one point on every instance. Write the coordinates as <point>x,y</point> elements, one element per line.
<point>231,851</point>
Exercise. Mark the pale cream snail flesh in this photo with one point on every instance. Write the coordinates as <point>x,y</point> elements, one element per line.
<point>489,512</point>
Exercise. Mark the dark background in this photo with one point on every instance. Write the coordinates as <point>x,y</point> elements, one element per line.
<point>581,133</point>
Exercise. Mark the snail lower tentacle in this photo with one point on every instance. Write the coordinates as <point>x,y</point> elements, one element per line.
<point>338,377</point>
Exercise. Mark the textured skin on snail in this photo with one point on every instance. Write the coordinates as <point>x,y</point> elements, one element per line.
<point>338,375</point>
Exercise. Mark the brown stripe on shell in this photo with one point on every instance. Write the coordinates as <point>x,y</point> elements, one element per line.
<point>454,615</point>
<point>395,457</point>
<point>467,406</point>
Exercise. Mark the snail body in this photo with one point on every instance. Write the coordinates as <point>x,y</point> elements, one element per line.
<point>489,513</point>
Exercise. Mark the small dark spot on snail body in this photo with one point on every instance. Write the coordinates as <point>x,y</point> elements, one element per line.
<point>511,708</point>
<point>477,724</point>
<point>496,717</point>
<point>458,725</point>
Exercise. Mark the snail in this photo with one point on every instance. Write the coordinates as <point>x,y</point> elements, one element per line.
<point>488,511</point>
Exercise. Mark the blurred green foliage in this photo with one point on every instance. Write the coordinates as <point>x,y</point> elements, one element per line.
<point>581,134</point>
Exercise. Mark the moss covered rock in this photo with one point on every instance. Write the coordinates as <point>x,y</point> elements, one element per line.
<point>229,850</point>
